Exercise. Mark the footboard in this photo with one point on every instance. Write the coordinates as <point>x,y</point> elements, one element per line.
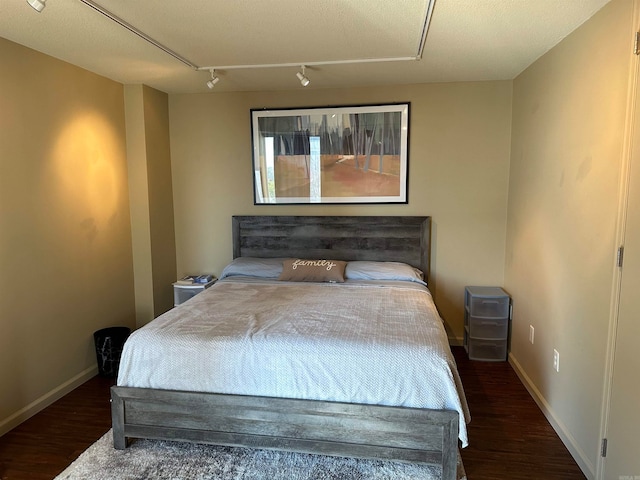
<point>328,428</point>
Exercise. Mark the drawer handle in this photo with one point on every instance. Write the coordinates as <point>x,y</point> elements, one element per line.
<point>495,302</point>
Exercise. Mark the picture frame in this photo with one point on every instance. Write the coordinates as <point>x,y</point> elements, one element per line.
<point>331,155</point>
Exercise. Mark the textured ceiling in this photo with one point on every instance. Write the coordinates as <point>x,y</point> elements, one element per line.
<point>467,40</point>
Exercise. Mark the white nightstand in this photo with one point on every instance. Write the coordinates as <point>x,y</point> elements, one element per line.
<point>182,293</point>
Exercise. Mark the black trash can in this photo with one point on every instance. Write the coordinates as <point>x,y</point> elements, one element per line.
<point>109,343</point>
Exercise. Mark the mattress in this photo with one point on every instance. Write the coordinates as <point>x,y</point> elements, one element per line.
<point>370,342</point>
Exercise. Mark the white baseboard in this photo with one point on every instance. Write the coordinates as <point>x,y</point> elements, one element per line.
<point>45,400</point>
<point>455,341</point>
<point>569,440</point>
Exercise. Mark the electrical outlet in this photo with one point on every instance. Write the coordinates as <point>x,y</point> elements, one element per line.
<point>531,332</point>
<point>556,360</point>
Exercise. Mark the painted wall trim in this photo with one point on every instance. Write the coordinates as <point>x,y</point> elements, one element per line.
<point>47,399</point>
<point>569,441</point>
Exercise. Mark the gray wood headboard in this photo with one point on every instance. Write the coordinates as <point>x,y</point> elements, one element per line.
<point>387,238</point>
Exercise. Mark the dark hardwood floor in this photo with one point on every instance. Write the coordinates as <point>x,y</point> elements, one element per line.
<point>44,445</point>
<point>510,439</point>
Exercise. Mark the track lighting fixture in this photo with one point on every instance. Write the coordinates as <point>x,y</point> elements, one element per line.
<point>301,76</point>
<point>37,5</point>
<point>214,79</point>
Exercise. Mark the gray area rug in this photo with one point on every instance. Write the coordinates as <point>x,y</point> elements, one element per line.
<point>146,459</point>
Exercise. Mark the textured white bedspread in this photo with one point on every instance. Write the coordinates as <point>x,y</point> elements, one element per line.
<point>357,342</point>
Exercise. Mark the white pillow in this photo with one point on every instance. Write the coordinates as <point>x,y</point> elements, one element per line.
<point>254,267</point>
<point>364,270</point>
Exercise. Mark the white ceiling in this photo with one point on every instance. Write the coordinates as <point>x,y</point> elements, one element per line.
<point>467,40</point>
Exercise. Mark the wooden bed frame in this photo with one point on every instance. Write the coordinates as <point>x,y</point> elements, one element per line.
<point>329,428</point>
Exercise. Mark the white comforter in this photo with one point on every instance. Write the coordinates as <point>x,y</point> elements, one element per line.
<point>357,342</point>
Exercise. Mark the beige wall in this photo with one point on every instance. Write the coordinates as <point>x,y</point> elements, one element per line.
<point>547,195</point>
<point>153,235</point>
<point>139,203</point>
<point>458,173</point>
<point>568,123</point>
<point>163,241</point>
<point>65,240</point>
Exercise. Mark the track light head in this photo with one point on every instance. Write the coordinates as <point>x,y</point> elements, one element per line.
<point>301,76</point>
<point>37,5</point>
<point>214,79</point>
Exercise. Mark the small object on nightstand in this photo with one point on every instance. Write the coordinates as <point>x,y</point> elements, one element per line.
<point>204,278</point>
<point>486,323</point>
<point>188,280</point>
<point>190,286</point>
<point>191,279</point>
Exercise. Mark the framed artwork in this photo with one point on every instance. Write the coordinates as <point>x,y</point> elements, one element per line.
<point>343,154</point>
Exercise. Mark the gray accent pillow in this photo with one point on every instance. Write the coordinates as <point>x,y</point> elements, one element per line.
<point>302,270</point>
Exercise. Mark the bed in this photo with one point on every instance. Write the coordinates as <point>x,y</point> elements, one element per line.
<point>297,412</point>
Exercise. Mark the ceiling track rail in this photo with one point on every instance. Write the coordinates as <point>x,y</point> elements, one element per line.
<point>418,56</point>
<point>310,64</point>
<point>123,23</point>
<point>425,28</point>
<point>114,18</point>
